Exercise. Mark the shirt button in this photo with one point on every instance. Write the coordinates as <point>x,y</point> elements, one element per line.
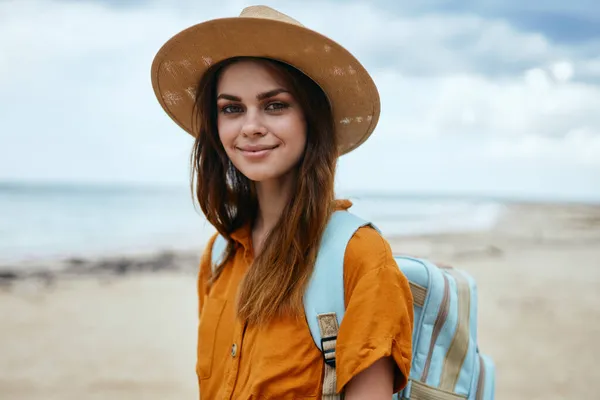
<point>233,350</point>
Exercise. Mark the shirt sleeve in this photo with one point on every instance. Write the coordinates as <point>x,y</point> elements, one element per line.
<point>378,321</point>
<point>205,271</point>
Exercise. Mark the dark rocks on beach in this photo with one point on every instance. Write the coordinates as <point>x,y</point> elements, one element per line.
<point>46,277</point>
<point>122,266</point>
<point>8,275</point>
<point>118,266</point>
<point>494,251</point>
<point>166,261</point>
<point>488,250</point>
<point>75,262</point>
<point>161,262</point>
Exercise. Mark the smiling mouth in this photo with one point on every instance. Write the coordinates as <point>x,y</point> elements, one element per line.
<point>257,149</point>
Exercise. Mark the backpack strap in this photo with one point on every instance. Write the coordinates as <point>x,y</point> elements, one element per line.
<point>324,303</point>
<point>324,298</point>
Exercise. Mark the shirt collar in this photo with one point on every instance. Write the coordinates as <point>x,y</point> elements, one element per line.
<point>243,235</point>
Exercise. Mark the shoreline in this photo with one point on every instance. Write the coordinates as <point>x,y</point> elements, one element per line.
<point>521,224</point>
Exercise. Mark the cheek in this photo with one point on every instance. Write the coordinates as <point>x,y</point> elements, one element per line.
<point>293,131</point>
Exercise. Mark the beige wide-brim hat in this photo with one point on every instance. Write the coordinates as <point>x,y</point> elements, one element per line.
<point>261,31</point>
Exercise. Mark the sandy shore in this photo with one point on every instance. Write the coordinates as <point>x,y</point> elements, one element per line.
<point>125,328</point>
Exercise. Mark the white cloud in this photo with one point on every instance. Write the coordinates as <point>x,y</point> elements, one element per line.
<point>579,146</point>
<point>563,71</point>
<point>589,68</point>
<point>76,77</point>
<point>431,43</point>
<point>532,104</point>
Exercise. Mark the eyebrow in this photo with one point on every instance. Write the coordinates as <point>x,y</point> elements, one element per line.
<point>260,96</point>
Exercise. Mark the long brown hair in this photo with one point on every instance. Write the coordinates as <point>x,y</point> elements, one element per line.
<point>277,279</point>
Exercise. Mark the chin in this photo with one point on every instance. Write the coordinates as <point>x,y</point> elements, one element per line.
<point>256,176</point>
<point>268,170</point>
<point>264,173</point>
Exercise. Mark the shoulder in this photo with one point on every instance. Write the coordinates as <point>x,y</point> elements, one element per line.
<point>368,253</point>
<point>366,244</point>
<point>379,316</point>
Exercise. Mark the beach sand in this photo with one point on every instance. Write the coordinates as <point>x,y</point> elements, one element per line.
<point>125,328</point>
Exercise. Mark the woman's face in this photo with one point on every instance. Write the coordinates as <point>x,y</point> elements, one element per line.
<point>261,125</point>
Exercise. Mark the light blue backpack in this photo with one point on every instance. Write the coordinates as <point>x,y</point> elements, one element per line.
<point>447,364</point>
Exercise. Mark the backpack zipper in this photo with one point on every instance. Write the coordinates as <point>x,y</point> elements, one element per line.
<point>437,327</point>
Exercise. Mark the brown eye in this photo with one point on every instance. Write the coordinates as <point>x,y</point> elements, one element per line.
<point>230,109</point>
<point>276,106</point>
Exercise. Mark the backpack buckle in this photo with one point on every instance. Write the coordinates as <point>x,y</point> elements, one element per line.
<point>329,354</point>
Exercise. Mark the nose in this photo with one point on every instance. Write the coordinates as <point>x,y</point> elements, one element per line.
<point>252,125</point>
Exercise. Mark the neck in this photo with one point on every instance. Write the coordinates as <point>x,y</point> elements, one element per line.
<point>272,198</point>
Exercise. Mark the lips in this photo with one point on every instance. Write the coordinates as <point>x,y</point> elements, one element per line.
<point>256,149</point>
<point>256,153</point>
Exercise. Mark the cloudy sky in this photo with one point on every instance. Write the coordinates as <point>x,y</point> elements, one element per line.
<point>495,97</point>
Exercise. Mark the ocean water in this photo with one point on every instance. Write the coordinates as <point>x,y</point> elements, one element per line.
<point>48,221</point>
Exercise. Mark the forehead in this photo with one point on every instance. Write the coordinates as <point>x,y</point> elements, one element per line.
<point>249,76</point>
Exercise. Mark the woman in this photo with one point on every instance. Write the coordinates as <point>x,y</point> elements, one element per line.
<point>263,165</point>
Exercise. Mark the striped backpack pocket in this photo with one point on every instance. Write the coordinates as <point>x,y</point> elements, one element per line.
<point>447,363</point>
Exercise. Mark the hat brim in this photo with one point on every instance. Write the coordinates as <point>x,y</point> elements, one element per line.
<point>180,63</point>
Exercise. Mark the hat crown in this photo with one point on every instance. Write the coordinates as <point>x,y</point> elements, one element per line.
<point>267,13</point>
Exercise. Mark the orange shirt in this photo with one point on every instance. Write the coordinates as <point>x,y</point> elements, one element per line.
<point>280,360</point>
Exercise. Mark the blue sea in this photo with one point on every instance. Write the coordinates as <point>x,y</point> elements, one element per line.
<point>39,221</point>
